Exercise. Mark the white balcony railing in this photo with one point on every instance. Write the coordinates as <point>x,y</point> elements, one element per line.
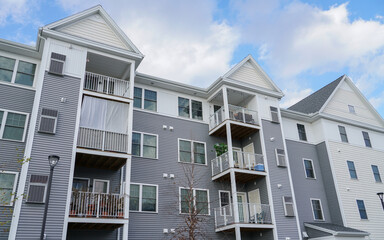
<point>102,140</point>
<point>236,113</point>
<point>241,160</point>
<point>105,84</point>
<point>251,213</point>
<point>97,205</point>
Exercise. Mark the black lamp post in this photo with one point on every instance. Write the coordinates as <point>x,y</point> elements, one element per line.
<point>381,194</point>
<point>53,160</point>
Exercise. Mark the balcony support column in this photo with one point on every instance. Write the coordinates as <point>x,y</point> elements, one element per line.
<point>225,101</point>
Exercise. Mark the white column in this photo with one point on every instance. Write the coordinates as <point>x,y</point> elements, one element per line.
<point>132,80</point>
<point>225,100</point>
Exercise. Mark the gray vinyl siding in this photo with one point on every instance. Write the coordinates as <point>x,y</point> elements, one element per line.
<point>14,99</point>
<point>151,171</point>
<point>62,143</point>
<point>306,188</point>
<point>102,174</point>
<point>286,226</point>
<point>330,190</point>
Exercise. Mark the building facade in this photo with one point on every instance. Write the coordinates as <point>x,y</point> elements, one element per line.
<point>140,156</point>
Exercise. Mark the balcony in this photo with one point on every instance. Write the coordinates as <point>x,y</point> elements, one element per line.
<point>87,209</point>
<point>106,85</point>
<point>102,140</point>
<point>247,166</point>
<point>251,216</point>
<point>243,122</point>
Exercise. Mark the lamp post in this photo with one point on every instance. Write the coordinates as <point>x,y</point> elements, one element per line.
<point>381,194</point>
<point>53,160</point>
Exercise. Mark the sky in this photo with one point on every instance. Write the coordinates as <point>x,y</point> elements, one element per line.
<point>301,44</point>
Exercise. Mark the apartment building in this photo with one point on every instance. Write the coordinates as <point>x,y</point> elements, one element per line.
<point>130,144</point>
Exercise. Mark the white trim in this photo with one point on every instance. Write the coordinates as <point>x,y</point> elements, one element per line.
<point>100,180</point>
<point>38,184</point>
<point>285,206</point>
<point>143,99</point>
<point>14,186</point>
<point>97,220</point>
<point>321,208</point>
<point>142,144</point>
<point>170,115</point>
<point>141,197</point>
<point>194,199</point>
<point>358,210</point>
<point>313,168</point>
<point>190,109</point>
<point>229,200</point>
<point>82,178</point>
<point>3,124</point>
<point>100,153</point>
<point>192,153</point>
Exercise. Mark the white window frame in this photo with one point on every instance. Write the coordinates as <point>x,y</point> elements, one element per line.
<point>4,120</point>
<point>229,204</point>
<point>141,197</point>
<point>100,180</point>
<point>313,168</point>
<point>82,178</point>
<point>277,158</point>
<point>192,152</point>
<point>143,100</point>
<point>142,145</point>
<point>14,73</point>
<point>38,184</point>
<point>351,109</point>
<point>285,206</point>
<point>313,212</point>
<point>194,199</point>
<point>358,210</point>
<point>190,109</point>
<point>14,187</point>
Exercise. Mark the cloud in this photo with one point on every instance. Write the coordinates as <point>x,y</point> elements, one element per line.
<point>294,96</point>
<point>180,40</point>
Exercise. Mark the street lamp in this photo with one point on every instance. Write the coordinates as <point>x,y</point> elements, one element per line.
<point>381,194</point>
<point>53,160</point>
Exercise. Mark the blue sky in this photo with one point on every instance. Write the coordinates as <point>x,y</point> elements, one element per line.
<point>302,44</point>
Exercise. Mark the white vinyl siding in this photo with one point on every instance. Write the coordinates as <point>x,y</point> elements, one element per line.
<point>343,134</point>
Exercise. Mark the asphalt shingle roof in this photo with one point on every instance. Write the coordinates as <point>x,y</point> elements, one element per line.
<point>316,100</point>
<point>336,228</point>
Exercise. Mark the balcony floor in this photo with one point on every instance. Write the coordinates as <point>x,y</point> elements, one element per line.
<point>244,227</point>
<point>101,162</point>
<point>242,175</point>
<point>95,224</point>
<point>238,129</point>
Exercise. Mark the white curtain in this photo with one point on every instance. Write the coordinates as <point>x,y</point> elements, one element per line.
<point>104,115</point>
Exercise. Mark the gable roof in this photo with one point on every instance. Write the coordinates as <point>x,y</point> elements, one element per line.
<point>314,102</point>
<point>96,10</point>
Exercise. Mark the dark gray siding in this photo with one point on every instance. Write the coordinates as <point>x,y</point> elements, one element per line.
<point>306,188</point>
<point>21,100</point>
<point>92,234</point>
<point>330,190</point>
<point>286,226</point>
<point>54,88</point>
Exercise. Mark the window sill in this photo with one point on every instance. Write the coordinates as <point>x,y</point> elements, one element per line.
<point>308,178</point>
<point>196,214</point>
<point>133,211</point>
<point>11,140</point>
<point>147,158</point>
<point>18,85</point>
<point>198,164</point>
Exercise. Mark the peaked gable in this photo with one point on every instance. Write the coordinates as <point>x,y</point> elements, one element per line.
<point>249,71</point>
<point>95,25</point>
<point>348,94</point>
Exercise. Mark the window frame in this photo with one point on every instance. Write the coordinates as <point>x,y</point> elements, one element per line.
<point>143,99</point>
<point>343,134</point>
<point>367,139</point>
<point>83,178</point>
<point>313,169</point>
<point>13,189</point>
<point>302,132</point>
<point>192,152</point>
<point>100,180</point>
<point>4,119</point>
<point>321,208</point>
<point>351,109</point>
<point>37,184</point>
<point>142,144</point>
<point>378,173</point>
<point>365,210</point>
<point>194,199</point>
<point>141,197</point>
<point>229,202</point>
<point>15,71</point>
<point>354,169</point>
<point>190,106</point>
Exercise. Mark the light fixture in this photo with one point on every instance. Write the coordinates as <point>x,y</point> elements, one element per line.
<point>53,160</point>
<point>381,195</point>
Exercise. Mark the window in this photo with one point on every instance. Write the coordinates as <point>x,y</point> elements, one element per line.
<point>343,134</point>
<point>351,109</point>
<point>197,199</point>
<point>288,206</point>
<point>12,125</point>
<point>80,184</point>
<point>143,198</point>
<point>100,186</point>
<point>37,189</point>
<point>191,151</point>
<point>144,145</point>
<point>309,170</point>
<point>361,208</point>
<point>185,109</point>
<point>149,101</point>
<point>280,157</point>
<point>317,209</point>
<point>376,173</point>
<point>367,140</point>
<point>225,200</point>
<point>57,63</point>
<point>16,71</point>
<point>48,120</point>
<point>352,170</point>
<point>8,182</point>
<point>302,134</point>
<point>274,114</point>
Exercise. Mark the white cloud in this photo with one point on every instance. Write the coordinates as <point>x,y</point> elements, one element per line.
<point>180,40</point>
<point>294,96</point>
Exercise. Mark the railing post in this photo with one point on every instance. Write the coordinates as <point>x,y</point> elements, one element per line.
<point>221,164</point>
<point>103,142</point>
<point>225,216</point>
<point>215,219</point>
<point>98,205</point>
<point>242,110</point>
